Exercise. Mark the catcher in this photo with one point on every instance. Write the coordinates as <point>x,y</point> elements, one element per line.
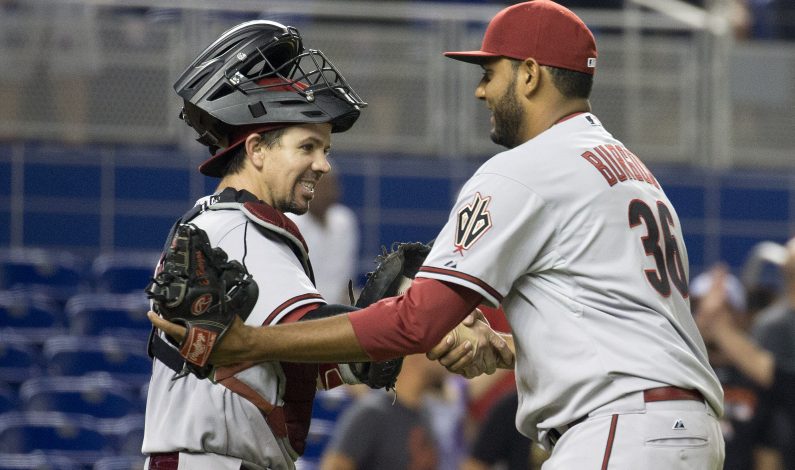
<point>266,107</point>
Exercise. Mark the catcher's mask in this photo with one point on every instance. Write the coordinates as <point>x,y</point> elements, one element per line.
<point>258,75</point>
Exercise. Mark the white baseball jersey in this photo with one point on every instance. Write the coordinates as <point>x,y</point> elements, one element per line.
<point>199,416</point>
<point>572,234</point>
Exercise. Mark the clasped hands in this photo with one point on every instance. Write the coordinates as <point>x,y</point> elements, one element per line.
<point>472,348</point>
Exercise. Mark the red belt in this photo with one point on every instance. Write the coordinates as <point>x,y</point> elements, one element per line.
<point>649,396</point>
<point>168,461</point>
<point>671,393</point>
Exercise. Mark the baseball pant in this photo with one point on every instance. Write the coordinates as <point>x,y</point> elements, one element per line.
<point>630,433</point>
<point>188,461</point>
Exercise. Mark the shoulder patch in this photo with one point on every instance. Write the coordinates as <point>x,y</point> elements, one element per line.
<point>472,222</point>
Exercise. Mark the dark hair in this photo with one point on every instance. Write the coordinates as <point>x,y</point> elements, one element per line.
<point>569,83</point>
<point>269,139</point>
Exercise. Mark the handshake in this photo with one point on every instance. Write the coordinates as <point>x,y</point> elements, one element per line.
<point>472,348</point>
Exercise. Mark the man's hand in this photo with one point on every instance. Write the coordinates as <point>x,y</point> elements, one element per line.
<point>473,348</point>
<point>232,345</point>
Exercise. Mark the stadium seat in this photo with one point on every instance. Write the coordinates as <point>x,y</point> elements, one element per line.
<point>121,273</point>
<point>127,433</point>
<point>37,461</point>
<point>124,359</point>
<point>109,314</point>
<point>8,398</point>
<point>97,395</point>
<point>128,462</point>
<point>326,409</point>
<point>72,436</point>
<point>19,358</point>
<point>55,273</point>
<point>30,314</point>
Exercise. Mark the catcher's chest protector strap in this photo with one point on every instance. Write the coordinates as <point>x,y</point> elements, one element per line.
<point>266,217</point>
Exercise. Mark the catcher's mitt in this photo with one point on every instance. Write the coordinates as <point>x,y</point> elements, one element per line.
<point>200,289</point>
<point>391,277</point>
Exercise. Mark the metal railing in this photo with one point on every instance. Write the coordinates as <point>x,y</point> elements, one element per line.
<point>674,86</point>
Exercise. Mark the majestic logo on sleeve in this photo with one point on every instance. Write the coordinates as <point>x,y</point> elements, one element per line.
<point>472,222</point>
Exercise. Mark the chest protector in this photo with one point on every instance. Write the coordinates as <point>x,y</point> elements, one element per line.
<point>290,422</point>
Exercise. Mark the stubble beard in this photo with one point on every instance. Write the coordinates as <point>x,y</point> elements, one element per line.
<point>508,118</point>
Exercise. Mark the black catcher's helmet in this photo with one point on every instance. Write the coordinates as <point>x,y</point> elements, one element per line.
<point>258,74</point>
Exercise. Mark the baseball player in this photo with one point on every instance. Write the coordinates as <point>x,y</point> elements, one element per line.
<point>252,416</point>
<point>572,234</point>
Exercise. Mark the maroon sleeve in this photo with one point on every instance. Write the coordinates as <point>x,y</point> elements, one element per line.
<point>414,322</point>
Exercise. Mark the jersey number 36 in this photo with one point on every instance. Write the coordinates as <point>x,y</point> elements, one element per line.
<point>660,243</point>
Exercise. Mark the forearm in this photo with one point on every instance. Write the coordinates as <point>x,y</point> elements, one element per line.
<point>414,322</point>
<point>753,361</point>
<point>324,340</point>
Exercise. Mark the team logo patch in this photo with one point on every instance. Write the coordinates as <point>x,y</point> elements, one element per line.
<point>472,222</point>
<point>201,304</point>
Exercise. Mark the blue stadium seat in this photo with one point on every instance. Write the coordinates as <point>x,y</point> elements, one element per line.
<point>128,462</point>
<point>329,404</point>
<point>58,274</point>
<point>68,435</point>
<point>19,358</point>
<point>37,461</point>
<point>326,409</point>
<point>8,399</point>
<point>124,359</point>
<point>123,272</point>
<point>127,433</point>
<point>31,314</point>
<point>97,395</point>
<point>109,314</point>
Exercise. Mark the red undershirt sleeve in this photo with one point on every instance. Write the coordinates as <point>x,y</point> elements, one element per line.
<point>414,322</point>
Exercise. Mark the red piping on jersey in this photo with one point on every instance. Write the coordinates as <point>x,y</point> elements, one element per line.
<point>267,213</point>
<point>610,439</point>
<point>414,322</point>
<point>465,277</point>
<point>287,303</point>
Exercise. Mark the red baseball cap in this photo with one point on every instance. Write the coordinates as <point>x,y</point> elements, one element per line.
<point>544,30</point>
<point>214,166</point>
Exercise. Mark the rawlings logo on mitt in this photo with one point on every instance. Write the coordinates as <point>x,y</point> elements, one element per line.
<point>197,287</point>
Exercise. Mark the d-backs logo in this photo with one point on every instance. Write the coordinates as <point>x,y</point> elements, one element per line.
<point>472,222</point>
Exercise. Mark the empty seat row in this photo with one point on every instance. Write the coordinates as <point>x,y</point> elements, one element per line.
<point>38,317</point>
<point>62,275</point>
<point>53,460</point>
<point>79,437</point>
<point>124,358</point>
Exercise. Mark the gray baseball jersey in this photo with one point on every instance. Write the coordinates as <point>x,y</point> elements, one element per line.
<point>198,416</point>
<point>573,235</point>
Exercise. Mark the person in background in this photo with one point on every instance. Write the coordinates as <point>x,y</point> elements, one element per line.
<point>331,231</point>
<point>740,423</point>
<point>775,378</point>
<point>774,331</point>
<point>499,445</point>
<point>390,432</point>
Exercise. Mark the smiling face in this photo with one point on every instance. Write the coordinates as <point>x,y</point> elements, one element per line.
<point>498,89</point>
<point>292,166</point>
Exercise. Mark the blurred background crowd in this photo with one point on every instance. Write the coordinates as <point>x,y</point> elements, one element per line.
<point>95,167</point>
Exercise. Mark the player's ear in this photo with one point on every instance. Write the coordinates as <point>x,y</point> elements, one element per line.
<point>254,149</point>
<point>529,76</point>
